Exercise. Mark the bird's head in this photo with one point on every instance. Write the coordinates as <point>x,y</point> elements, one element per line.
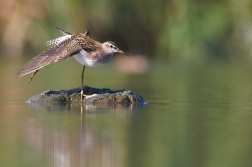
<point>111,48</point>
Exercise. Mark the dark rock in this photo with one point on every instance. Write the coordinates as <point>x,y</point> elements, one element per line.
<point>93,95</point>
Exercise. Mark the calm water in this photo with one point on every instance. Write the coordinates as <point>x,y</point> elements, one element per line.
<point>196,116</point>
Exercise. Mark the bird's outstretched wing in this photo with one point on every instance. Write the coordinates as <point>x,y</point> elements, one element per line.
<point>57,53</point>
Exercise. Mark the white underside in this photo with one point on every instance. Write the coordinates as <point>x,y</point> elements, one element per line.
<point>83,58</point>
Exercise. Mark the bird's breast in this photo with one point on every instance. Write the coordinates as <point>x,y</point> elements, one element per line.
<point>91,60</point>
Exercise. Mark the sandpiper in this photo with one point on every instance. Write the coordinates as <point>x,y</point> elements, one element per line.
<point>82,47</point>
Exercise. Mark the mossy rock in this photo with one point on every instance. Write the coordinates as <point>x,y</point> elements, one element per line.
<point>93,95</point>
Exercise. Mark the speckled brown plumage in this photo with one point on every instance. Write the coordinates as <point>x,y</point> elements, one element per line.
<point>82,47</point>
<point>59,52</point>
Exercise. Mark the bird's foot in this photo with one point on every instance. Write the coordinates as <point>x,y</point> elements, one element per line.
<point>82,94</point>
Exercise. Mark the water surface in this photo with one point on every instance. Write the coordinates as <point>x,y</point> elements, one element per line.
<point>196,115</point>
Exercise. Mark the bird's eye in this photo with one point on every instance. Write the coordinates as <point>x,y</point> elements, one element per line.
<point>111,46</point>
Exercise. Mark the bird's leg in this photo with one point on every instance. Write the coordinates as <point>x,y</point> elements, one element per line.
<point>82,87</point>
<point>32,76</point>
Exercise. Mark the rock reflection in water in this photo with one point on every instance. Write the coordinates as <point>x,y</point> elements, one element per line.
<point>77,107</point>
<point>82,142</point>
<point>62,149</point>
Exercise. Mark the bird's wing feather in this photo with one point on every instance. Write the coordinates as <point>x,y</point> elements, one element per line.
<point>57,53</point>
<point>63,31</point>
<point>58,40</point>
<point>87,43</point>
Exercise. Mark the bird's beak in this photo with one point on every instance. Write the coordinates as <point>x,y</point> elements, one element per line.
<point>119,51</point>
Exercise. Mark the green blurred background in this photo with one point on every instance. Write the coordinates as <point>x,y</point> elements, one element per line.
<point>183,62</point>
<point>178,30</point>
